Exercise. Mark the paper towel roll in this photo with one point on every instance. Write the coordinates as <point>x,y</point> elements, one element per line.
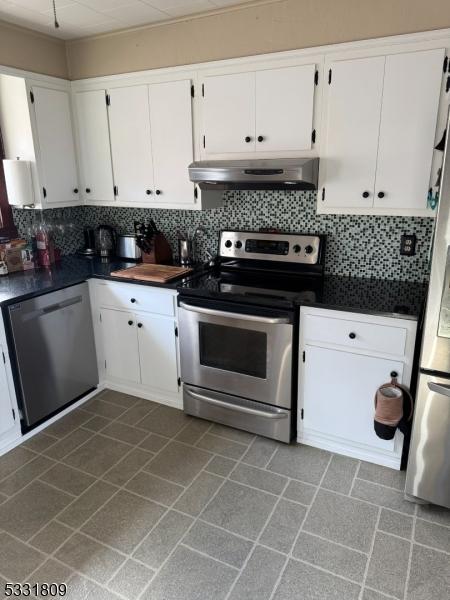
<point>19,182</point>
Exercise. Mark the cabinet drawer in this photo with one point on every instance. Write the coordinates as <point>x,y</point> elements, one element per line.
<point>135,297</point>
<point>354,334</point>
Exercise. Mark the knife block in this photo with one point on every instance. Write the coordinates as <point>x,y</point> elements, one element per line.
<point>161,253</point>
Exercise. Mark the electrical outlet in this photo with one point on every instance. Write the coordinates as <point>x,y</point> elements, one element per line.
<point>408,244</point>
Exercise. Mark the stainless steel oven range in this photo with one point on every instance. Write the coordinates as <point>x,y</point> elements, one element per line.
<point>238,330</point>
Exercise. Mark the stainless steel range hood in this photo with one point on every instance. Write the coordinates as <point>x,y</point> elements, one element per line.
<point>266,174</point>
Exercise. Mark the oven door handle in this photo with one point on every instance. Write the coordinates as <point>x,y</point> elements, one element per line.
<point>236,407</point>
<point>233,315</point>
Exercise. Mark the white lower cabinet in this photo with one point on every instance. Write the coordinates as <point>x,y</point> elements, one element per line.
<point>9,414</point>
<point>341,366</point>
<point>119,335</point>
<point>137,348</point>
<point>7,420</point>
<point>157,352</point>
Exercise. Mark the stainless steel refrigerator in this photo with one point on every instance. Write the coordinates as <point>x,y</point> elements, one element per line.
<point>428,474</point>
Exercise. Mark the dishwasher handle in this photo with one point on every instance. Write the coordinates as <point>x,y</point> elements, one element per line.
<point>60,305</point>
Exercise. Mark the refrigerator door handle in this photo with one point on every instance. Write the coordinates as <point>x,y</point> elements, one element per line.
<point>439,388</point>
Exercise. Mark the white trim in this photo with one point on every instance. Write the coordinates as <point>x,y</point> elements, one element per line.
<point>187,206</point>
<point>170,21</point>
<point>26,436</point>
<point>36,77</point>
<point>363,45</point>
<point>161,397</point>
<point>360,452</point>
<point>425,213</point>
<point>10,436</point>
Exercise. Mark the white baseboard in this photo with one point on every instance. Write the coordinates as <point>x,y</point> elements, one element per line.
<point>26,436</point>
<point>10,440</point>
<point>175,400</point>
<point>392,461</point>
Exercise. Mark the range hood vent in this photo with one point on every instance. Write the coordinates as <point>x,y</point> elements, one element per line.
<point>266,174</point>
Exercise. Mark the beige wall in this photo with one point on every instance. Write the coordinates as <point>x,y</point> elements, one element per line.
<point>24,49</point>
<point>279,25</point>
<point>268,27</point>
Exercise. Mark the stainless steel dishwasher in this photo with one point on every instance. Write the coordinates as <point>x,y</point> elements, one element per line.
<point>54,346</point>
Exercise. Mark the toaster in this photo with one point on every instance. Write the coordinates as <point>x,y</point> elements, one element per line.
<point>128,248</point>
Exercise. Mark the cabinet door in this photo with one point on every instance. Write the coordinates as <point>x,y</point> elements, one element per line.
<point>412,84</point>
<point>353,120</point>
<point>119,335</point>
<point>95,149</point>
<point>6,415</point>
<point>284,108</point>
<point>129,121</point>
<point>341,405</point>
<point>57,163</point>
<point>229,113</point>
<point>158,352</point>
<point>171,127</point>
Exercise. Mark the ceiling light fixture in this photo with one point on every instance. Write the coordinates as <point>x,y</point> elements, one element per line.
<point>54,14</point>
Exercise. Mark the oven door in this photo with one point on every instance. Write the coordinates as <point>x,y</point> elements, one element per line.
<point>242,351</point>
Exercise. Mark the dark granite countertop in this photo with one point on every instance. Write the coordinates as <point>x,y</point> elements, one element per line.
<point>369,296</point>
<point>69,271</point>
<point>383,297</point>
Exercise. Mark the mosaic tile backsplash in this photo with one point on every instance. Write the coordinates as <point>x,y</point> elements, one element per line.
<point>359,246</point>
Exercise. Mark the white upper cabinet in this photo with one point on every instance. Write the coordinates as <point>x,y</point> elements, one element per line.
<point>412,83</point>
<point>371,111</point>
<point>172,142</point>
<point>36,125</point>
<point>131,147</point>
<point>146,131</point>
<point>94,145</point>
<point>284,108</point>
<point>352,132</point>
<point>265,111</point>
<point>229,113</point>
<point>56,153</point>
<point>380,126</point>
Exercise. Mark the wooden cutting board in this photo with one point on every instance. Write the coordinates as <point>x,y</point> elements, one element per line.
<point>148,272</point>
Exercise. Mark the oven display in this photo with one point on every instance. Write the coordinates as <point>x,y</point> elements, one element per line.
<point>267,247</point>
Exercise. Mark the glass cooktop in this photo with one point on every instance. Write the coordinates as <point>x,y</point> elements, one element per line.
<point>260,288</point>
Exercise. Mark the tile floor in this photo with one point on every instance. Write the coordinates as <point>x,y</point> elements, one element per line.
<point>125,498</point>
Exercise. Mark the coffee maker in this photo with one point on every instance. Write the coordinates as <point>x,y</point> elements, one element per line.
<point>106,241</point>
<point>89,242</point>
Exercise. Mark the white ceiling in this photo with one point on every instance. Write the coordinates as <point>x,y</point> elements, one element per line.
<point>78,18</point>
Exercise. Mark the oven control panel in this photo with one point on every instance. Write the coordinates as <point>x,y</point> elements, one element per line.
<point>286,247</point>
